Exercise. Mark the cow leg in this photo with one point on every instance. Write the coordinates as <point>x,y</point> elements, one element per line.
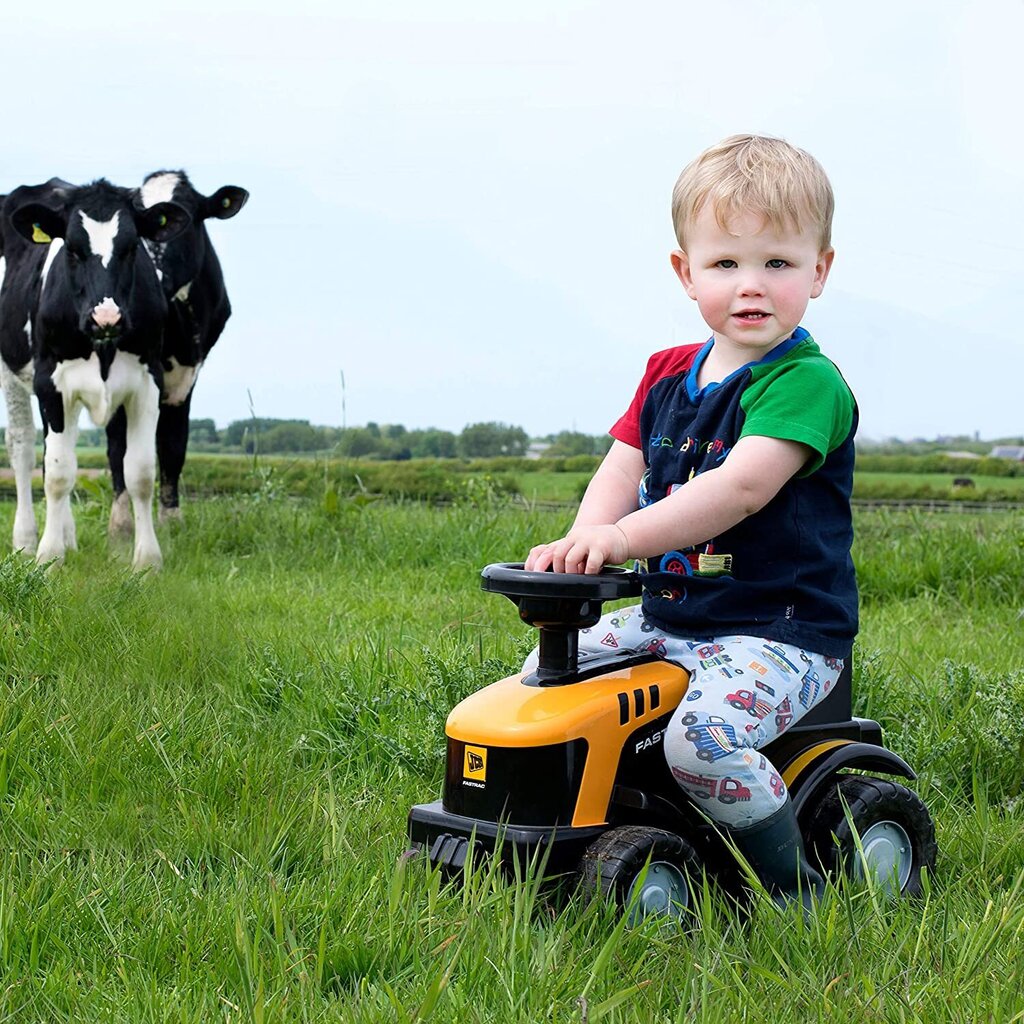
<point>171,445</point>
<point>60,470</point>
<point>120,525</point>
<point>141,412</point>
<point>21,449</point>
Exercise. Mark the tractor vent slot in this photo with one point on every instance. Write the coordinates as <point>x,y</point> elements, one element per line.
<point>655,692</point>
<point>623,709</point>
<point>638,699</point>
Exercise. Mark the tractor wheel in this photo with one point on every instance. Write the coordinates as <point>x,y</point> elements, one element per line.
<point>643,870</point>
<point>896,833</point>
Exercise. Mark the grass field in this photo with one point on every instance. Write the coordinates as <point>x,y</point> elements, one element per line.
<point>535,481</point>
<point>204,777</point>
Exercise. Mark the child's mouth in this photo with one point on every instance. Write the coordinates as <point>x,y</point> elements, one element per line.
<point>751,315</point>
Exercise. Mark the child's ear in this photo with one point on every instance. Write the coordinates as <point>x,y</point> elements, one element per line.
<point>821,269</point>
<point>681,265</point>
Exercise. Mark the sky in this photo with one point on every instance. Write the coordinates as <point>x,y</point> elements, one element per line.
<point>459,210</point>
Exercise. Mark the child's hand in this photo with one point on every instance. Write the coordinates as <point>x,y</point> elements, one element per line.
<point>584,549</point>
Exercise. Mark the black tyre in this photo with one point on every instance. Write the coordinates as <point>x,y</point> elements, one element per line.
<point>613,869</point>
<point>896,832</point>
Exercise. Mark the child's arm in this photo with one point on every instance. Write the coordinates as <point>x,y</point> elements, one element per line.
<point>706,506</point>
<point>612,491</point>
<point>611,494</point>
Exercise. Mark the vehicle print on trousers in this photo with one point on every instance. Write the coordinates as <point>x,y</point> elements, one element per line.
<point>778,787</point>
<point>783,715</point>
<point>726,791</point>
<point>777,656</point>
<point>719,662</point>
<point>747,700</point>
<point>713,739</point>
<point>810,686</point>
<point>707,651</point>
<point>657,647</point>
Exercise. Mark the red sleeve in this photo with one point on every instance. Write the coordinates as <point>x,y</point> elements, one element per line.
<point>666,363</point>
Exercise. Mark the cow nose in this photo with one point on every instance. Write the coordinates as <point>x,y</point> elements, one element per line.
<point>106,313</point>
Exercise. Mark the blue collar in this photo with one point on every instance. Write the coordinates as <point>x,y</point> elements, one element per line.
<point>776,353</point>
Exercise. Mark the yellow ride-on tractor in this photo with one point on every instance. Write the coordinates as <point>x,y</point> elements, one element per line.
<point>564,767</point>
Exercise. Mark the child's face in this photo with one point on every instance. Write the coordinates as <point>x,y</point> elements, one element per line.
<point>751,282</point>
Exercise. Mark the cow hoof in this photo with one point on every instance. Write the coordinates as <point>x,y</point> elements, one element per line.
<point>26,545</point>
<point>170,515</point>
<point>147,562</point>
<point>121,526</point>
<point>51,558</point>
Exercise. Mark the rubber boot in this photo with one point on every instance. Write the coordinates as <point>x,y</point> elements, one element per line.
<point>774,849</point>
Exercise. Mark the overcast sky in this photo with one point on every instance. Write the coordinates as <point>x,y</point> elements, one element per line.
<point>463,207</point>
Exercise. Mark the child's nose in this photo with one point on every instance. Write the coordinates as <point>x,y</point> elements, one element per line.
<point>751,283</point>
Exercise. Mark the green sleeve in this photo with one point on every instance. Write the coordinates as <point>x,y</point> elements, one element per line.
<point>803,399</point>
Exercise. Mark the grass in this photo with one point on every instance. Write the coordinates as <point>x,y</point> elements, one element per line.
<point>204,777</point>
<point>542,486</point>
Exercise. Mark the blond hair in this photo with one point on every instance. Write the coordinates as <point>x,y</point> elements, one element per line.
<point>745,173</point>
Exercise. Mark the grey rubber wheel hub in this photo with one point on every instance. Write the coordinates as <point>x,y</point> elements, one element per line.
<point>888,855</point>
<point>662,890</point>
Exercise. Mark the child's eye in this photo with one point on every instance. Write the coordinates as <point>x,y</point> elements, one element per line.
<point>776,264</point>
<point>726,264</point>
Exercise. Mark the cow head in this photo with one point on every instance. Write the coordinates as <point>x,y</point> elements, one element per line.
<point>96,264</point>
<point>179,260</point>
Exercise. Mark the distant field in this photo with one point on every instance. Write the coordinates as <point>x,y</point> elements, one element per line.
<point>939,482</point>
<point>568,486</point>
<point>552,486</point>
<point>441,480</point>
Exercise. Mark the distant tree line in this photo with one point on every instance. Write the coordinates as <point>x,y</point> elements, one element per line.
<point>386,441</point>
<point>393,441</point>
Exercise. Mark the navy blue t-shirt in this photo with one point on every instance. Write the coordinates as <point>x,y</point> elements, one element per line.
<point>784,573</point>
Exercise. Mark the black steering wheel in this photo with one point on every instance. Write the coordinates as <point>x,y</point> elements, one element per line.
<point>560,604</point>
<point>512,580</point>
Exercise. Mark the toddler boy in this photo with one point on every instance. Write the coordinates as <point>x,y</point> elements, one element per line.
<point>729,482</point>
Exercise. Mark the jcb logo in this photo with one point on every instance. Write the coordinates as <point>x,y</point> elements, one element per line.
<point>475,765</point>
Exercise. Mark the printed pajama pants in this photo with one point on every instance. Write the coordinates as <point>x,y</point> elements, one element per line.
<point>743,692</point>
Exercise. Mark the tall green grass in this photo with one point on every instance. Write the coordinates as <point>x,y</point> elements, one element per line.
<point>204,777</point>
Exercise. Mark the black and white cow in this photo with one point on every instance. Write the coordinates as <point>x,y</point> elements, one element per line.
<point>82,315</point>
<point>198,309</point>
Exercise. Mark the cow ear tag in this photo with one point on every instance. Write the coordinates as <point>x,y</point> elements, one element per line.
<point>162,220</point>
<point>226,203</point>
<point>39,235</point>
